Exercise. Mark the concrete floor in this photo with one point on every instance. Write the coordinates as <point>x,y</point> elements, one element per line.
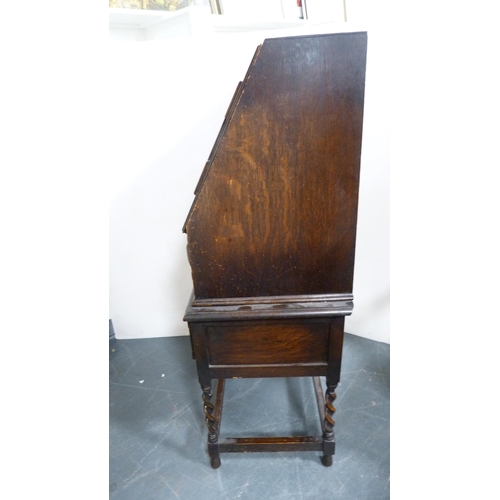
<point>158,436</point>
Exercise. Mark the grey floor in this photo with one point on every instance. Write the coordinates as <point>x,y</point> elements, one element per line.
<point>157,433</point>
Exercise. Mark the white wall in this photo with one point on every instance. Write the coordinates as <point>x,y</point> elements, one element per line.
<point>253,8</point>
<point>167,102</point>
<point>168,99</point>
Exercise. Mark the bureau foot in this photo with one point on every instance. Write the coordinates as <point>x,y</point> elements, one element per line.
<point>215,462</point>
<point>327,461</point>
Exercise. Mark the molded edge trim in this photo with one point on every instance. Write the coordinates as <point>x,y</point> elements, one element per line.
<point>277,307</point>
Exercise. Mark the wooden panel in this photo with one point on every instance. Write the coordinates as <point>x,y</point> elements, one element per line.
<point>276,212</point>
<point>268,344</point>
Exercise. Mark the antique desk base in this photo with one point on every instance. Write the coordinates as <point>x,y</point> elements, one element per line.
<point>284,337</point>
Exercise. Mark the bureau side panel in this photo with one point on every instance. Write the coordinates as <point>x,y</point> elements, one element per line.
<point>277,213</point>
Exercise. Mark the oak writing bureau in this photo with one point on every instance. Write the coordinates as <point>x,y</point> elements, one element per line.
<point>271,232</point>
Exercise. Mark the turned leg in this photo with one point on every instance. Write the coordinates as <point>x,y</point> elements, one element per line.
<point>212,426</point>
<point>329,423</point>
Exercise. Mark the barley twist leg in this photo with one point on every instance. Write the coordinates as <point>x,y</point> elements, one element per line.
<point>329,423</point>
<point>211,424</point>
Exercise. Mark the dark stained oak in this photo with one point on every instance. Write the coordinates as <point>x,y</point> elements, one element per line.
<point>264,343</point>
<point>272,228</point>
<point>280,189</point>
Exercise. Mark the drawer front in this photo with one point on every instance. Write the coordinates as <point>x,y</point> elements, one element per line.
<point>260,344</point>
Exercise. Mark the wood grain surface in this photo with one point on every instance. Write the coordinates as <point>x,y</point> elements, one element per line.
<point>276,207</point>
